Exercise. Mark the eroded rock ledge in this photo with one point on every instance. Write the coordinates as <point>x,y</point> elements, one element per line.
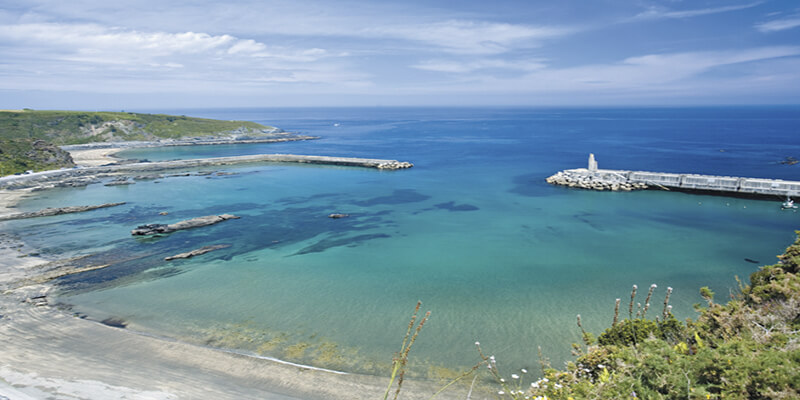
<point>154,229</point>
<point>197,252</point>
<point>56,211</point>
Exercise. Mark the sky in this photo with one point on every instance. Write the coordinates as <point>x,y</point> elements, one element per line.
<point>91,54</point>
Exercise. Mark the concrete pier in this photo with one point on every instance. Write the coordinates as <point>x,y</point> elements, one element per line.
<point>609,179</point>
<point>45,177</point>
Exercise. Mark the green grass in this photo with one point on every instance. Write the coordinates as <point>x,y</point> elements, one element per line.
<point>19,129</point>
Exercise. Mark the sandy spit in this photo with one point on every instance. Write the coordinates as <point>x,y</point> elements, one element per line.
<point>94,157</point>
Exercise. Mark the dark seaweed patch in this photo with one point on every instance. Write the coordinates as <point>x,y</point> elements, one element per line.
<point>452,206</point>
<point>305,199</point>
<point>326,244</point>
<point>135,260</point>
<point>531,185</point>
<point>399,196</point>
<point>584,217</point>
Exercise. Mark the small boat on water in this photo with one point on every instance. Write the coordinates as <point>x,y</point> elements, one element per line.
<point>788,204</point>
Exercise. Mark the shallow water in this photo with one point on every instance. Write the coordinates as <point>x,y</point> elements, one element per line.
<point>472,230</point>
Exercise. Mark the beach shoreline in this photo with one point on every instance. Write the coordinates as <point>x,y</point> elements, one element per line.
<point>52,353</point>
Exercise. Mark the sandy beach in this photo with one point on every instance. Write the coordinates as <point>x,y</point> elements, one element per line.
<point>94,157</point>
<point>50,353</point>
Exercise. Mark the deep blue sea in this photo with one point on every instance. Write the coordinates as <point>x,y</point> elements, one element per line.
<point>472,230</point>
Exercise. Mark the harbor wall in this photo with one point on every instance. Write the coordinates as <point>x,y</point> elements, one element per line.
<point>604,179</point>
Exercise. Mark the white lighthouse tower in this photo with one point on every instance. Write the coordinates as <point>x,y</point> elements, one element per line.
<point>592,163</point>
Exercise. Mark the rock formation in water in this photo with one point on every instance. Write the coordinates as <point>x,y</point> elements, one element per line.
<point>197,252</point>
<point>154,229</point>
<point>56,211</point>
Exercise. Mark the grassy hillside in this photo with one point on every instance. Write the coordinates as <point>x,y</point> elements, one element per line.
<point>25,134</point>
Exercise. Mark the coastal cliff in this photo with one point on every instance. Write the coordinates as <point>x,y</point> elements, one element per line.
<point>31,140</point>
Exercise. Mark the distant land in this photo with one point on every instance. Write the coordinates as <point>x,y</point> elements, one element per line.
<point>29,139</point>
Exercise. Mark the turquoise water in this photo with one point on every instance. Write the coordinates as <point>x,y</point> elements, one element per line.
<point>472,230</point>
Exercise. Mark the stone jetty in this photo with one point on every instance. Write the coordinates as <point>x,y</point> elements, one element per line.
<point>64,177</point>
<point>623,180</point>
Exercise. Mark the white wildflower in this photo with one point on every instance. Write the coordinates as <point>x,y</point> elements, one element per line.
<point>524,371</point>
<point>514,376</point>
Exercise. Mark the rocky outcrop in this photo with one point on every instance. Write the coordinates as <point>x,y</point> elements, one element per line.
<point>593,182</point>
<point>197,252</point>
<point>56,211</point>
<point>120,182</point>
<point>154,229</point>
<point>46,153</point>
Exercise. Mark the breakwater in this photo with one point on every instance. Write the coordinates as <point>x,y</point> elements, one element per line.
<point>48,177</point>
<point>609,179</point>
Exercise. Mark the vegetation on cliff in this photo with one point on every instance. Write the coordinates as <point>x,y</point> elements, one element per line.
<point>28,138</point>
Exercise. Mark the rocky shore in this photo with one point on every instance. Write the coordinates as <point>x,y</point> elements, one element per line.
<point>593,182</point>
<point>56,211</point>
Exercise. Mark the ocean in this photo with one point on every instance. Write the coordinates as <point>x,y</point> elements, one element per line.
<point>472,231</point>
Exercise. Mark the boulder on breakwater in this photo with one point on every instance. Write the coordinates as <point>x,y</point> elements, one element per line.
<point>591,181</point>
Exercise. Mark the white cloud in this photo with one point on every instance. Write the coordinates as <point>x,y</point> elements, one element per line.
<point>659,13</point>
<point>469,37</point>
<point>779,25</point>
<point>649,75</point>
<point>477,65</point>
<point>61,56</point>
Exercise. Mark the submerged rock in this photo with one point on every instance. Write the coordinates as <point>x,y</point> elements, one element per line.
<point>153,229</point>
<point>197,252</point>
<point>56,211</point>
<point>120,181</point>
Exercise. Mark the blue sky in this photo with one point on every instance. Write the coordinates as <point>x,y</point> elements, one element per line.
<point>174,54</point>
